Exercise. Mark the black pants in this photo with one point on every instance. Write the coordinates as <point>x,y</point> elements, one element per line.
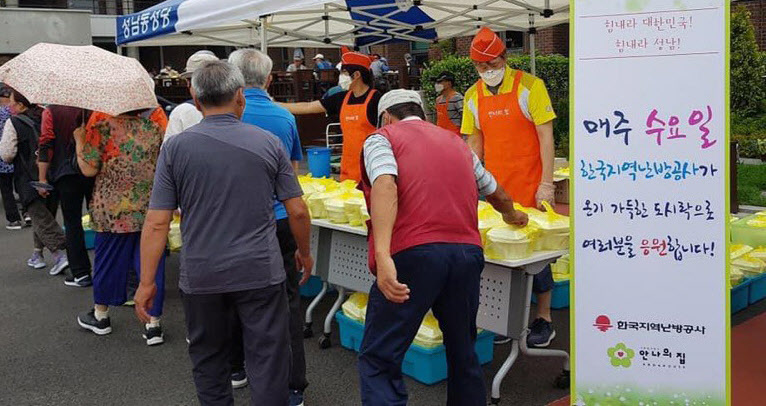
<point>263,315</point>
<point>298,368</point>
<point>73,190</point>
<point>442,277</point>
<point>9,201</point>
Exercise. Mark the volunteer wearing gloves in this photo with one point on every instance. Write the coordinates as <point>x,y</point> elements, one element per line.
<point>425,249</point>
<point>357,108</point>
<point>449,103</point>
<point>508,118</point>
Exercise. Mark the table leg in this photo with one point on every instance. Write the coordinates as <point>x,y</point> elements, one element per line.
<point>500,375</point>
<point>324,341</point>
<point>308,332</point>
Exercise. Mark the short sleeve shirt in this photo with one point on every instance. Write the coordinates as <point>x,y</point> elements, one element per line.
<point>223,174</point>
<point>534,100</point>
<point>333,104</point>
<point>125,150</point>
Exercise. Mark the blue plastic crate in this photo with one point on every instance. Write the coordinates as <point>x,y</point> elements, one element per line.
<point>312,287</point>
<point>740,295</point>
<point>425,365</point>
<point>757,288</point>
<point>560,299</point>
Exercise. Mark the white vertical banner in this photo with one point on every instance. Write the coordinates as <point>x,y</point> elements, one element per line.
<point>650,172</point>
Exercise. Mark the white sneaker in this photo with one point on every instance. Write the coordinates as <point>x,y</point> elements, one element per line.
<point>36,261</point>
<point>59,264</point>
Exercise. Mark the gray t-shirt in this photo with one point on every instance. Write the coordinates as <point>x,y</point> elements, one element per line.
<point>224,174</point>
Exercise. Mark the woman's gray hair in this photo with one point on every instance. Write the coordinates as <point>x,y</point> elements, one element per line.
<point>254,64</point>
<point>216,83</point>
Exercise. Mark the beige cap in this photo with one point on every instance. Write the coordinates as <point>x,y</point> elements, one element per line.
<point>319,56</point>
<point>398,96</point>
<point>196,61</point>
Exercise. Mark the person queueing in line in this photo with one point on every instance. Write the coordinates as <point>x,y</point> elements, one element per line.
<point>449,103</point>
<point>424,248</point>
<point>508,118</point>
<point>357,108</point>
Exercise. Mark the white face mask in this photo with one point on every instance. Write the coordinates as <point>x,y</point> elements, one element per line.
<point>493,77</point>
<point>439,87</point>
<point>344,81</point>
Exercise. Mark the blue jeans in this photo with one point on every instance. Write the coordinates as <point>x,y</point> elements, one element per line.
<point>442,277</point>
<point>116,256</point>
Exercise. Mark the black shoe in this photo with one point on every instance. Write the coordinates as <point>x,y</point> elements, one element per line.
<point>541,333</point>
<point>27,220</point>
<point>14,225</point>
<point>238,379</point>
<point>499,340</point>
<point>79,282</point>
<point>88,321</point>
<point>153,335</point>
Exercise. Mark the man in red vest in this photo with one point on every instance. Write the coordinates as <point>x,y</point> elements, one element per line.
<point>422,185</point>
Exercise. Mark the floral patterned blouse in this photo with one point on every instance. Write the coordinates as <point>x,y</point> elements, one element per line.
<point>125,150</point>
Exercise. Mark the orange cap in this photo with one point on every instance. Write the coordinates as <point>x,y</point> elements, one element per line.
<point>486,46</point>
<point>356,58</point>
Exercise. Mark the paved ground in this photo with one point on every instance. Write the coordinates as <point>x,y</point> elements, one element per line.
<point>46,359</point>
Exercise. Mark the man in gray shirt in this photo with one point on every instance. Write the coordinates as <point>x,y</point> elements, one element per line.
<point>223,174</point>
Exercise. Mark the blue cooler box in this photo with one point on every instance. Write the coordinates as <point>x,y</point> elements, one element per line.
<point>312,287</point>
<point>90,238</point>
<point>757,288</point>
<point>425,365</point>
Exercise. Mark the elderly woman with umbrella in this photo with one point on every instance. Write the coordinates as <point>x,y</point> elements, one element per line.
<point>120,151</point>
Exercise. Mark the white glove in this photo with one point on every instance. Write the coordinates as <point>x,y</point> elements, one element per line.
<point>545,192</point>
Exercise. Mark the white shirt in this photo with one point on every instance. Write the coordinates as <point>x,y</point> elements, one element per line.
<point>182,117</point>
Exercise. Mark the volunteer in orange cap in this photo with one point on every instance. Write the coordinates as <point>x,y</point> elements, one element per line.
<point>508,118</point>
<point>356,106</point>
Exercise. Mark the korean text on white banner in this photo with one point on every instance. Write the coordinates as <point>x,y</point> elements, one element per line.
<point>650,171</point>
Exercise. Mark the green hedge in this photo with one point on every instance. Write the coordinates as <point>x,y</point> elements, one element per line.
<point>553,69</point>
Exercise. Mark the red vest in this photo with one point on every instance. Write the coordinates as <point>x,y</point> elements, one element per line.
<point>436,188</point>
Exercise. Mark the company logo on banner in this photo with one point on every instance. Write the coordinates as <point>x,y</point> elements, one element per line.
<point>650,187</point>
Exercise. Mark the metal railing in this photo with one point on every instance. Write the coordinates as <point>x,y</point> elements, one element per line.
<point>103,7</point>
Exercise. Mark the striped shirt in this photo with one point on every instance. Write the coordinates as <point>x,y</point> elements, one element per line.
<point>379,160</point>
<point>454,107</point>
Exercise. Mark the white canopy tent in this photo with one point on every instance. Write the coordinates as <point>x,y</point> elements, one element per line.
<point>312,23</point>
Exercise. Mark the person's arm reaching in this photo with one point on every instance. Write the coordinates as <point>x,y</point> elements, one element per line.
<point>300,225</point>
<point>475,140</point>
<point>154,238</point>
<point>314,107</point>
<point>545,192</point>
<point>496,195</point>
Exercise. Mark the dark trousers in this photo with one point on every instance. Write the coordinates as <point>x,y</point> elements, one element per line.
<point>298,367</point>
<point>264,324</point>
<point>47,231</point>
<point>442,277</point>
<point>73,190</point>
<point>9,201</point>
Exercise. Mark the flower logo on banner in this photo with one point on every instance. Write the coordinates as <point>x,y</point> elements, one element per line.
<point>621,355</point>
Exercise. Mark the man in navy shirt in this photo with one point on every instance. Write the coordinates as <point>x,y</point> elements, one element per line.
<point>262,112</point>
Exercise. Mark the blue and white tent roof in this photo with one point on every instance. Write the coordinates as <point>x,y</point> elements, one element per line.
<point>296,23</point>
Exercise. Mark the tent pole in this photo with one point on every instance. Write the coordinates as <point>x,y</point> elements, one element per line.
<point>162,58</point>
<point>532,56</point>
<point>264,36</point>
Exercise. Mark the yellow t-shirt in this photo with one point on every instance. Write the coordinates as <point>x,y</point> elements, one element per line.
<point>533,100</point>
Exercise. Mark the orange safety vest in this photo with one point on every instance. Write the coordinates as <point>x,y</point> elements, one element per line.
<point>356,127</point>
<point>511,145</point>
<point>442,116</point>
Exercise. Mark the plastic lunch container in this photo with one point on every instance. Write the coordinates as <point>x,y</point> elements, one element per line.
<point>748,265</point>
<point>735,277</point>
<point>356,306</point>
<point>759,253</point>
<point>317,201</point>
<point>336,211</point>
<point>738,250</point>
<point>509,242</point>
<point>429,334</point>
<point>353,209</point>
